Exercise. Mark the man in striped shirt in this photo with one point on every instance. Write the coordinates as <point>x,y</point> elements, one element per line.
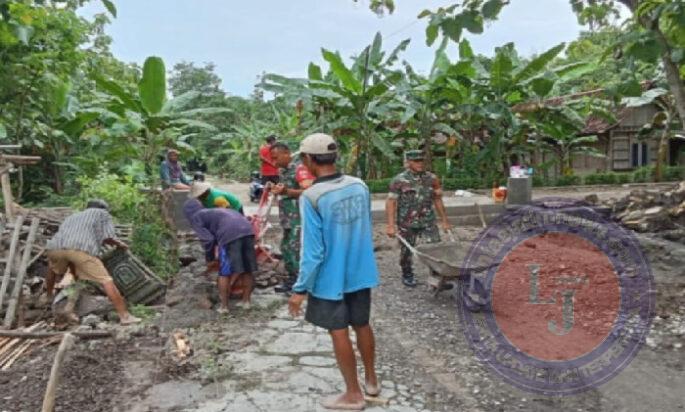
<point>76,247</point>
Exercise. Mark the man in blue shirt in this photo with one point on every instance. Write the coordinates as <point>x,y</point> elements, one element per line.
<point>337,266</point>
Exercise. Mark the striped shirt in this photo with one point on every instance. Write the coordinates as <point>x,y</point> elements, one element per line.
<point>84,231</point>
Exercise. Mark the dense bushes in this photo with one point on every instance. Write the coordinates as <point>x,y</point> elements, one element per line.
<point>642,175</point>
<point>152,241</point>
<point>124,197</point>
<point>378,185</point>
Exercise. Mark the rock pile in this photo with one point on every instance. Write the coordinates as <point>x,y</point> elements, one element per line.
<point>661,212</point>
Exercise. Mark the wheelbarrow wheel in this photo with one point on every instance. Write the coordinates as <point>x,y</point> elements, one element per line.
<point>473,297</point>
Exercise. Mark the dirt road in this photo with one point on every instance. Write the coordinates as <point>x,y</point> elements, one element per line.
<point>263,360</point>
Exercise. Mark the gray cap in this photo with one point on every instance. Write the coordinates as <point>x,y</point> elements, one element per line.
<point>318,144</point>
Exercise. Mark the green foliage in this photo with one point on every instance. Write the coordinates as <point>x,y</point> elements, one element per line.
<point>378,185</point>
<point>464,183</point>
<point>540,181</point>
<point>142,312</point>
<point>454,20</point>
<point>567,181</point>
<point>152,87</point>
<point>609,178</point>
<point>124,197</point>
<point>673,173</point>
<point>643,174</point>
<point>152,242</point>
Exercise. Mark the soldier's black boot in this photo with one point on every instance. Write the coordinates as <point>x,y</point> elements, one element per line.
<point>409,280</point>
<point>287,286</point>
<point>283,288</point>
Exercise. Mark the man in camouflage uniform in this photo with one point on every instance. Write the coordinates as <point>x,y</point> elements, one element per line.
<point>294,178</point>
<point>410,209</point>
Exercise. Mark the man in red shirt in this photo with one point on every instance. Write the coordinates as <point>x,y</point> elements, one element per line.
<point>269,169</point>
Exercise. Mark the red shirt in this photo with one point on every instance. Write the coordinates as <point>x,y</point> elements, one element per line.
<point>268,169</point>
<point>302,174</point>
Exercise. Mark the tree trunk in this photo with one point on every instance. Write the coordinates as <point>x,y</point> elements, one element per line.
<point>675,83</point>
<point>663,148</point>
<point>425,130</point>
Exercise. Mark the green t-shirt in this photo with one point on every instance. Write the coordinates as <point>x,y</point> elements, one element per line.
<point>218,198</point>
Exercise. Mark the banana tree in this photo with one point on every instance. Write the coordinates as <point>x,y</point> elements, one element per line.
<point>150,117</point>
<point>487,92</point>
<point>559,128</point>
<point>427,101</point>
<point>353,99</point>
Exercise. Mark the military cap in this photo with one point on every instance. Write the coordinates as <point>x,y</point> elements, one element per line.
<point>414,155</point>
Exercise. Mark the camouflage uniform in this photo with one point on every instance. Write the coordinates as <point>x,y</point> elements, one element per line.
<point>415,195</point>
<point>289,216</point>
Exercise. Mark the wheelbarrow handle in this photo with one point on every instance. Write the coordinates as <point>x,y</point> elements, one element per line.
<point>411,248</point>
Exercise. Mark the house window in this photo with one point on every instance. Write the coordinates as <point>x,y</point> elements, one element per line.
<point>639,155</point>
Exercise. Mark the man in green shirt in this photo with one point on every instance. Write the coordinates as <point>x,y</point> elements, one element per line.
<point>211,197</point>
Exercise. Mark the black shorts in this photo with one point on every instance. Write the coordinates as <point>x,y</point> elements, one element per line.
<point>353,310</point>
<point>273,179</point>
<point>238,257</point>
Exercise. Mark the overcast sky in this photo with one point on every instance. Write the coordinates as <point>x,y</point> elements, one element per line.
<point>246,38</point>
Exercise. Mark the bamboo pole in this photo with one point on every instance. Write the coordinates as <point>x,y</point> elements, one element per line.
<point>53,382</point>
<point>10,259</point>
<point>19,279</point>
<point>20,351</point>
<point>7,195</point>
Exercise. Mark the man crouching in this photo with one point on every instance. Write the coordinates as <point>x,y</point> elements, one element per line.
<point>76,246</point>
<point>228,239</point>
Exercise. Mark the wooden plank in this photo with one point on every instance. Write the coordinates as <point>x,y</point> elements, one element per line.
<point>10,259</point>
<point>53,382</point>
<point>20,160</point>
<point>7,196</point>
<point>19,280</point>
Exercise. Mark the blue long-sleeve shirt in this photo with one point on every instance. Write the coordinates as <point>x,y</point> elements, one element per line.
<point>337,243</point>
<point>165,175</point>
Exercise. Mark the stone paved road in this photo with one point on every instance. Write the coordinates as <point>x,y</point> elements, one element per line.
<point>290,369</point>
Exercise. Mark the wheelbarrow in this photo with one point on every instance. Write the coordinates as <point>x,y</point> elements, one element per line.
<point>446,262</point>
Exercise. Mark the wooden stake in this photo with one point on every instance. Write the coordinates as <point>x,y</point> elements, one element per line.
<point>19,280</point>
<point>10,259</point>
<point>53,382</point>
<point>7,195</point>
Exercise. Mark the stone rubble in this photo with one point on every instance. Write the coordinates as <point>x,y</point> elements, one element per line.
<point>651,211</point>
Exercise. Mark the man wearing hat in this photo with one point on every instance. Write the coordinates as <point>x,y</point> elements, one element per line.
<point>211,197</point>
<point>76,247</point>
<point>337,266</point>
<point>410,209</point>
